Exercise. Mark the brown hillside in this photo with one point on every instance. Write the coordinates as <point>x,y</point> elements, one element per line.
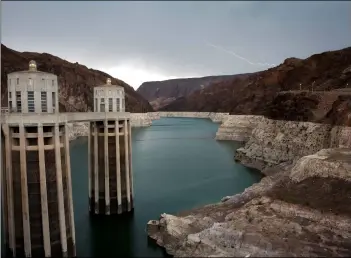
<point>162,93</point>
<point>75,81</point>
<point>268,92</point>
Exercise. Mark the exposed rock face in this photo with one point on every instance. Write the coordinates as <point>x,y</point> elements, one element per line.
<point>145,119</point>
<point>76,130</point>
<point>238,127</point>
<point>142,119</point>
<point>215,117</point>
<point>283,215</point>
<point>161,93</point>
<point>332,107</point>
<point>274,142</point>
<point>75,81</point>
<point>268,92</point>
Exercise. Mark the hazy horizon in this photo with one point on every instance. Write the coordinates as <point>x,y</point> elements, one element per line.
<point>152,41</point>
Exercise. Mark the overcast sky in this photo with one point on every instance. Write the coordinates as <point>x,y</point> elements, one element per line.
<point>143,41</point>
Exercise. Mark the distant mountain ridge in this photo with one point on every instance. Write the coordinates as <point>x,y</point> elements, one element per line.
<point>313,89</point>
<point>76,81</point>
<point>161,93</point>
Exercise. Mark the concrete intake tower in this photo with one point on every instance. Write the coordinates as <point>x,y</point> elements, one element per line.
<point>109,150</point>
<point>37,189</point>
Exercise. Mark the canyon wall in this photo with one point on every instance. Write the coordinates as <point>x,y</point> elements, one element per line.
<point>315,89</point>
<point>237,127</point>
<point>161,93</point>
<point>274,142</point>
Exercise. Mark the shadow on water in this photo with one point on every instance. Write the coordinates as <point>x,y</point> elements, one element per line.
<point>231,148</point>
<point>112,235</point>
<point>152,245</point>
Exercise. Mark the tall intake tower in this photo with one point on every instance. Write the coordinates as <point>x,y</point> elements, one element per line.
<point>37,191</point>
<point>110,160</point>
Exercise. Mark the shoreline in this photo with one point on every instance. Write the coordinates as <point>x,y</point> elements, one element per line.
<point>145,120</point>
<point>287,153</point>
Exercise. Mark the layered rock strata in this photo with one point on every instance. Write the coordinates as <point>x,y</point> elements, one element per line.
<point>215,117</point>
<point>145,119</point>
<point>237,127</point>
<point>141,119</point>
<point>275,141</point>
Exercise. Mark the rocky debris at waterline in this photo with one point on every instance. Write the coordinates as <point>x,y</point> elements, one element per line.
<point>142,119</point>
<point>215,117</point>
<point>78,129</point>
<point>238,127</point>
<point>275,141</point>
<point>303,211</point>
<point>145,119</point>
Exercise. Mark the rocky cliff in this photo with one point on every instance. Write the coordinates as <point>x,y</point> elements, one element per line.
<point>316,89</point>
<point>237,127</point>
<point>275,142</point>
<point>161,93</point>
<point>75,81</point>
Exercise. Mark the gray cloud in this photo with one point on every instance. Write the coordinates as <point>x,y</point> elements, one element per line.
<point>170,37</point>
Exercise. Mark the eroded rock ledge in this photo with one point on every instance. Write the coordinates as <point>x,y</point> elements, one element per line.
<point>274,142</point>
<point>238,127</point>
<point>301,208</point>
<point>145,119</point>
<point>305,210</point>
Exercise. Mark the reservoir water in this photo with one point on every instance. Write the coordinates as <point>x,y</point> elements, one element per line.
<point>177,165</point>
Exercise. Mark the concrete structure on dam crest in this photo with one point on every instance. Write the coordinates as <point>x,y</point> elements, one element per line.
<point>37,188</point>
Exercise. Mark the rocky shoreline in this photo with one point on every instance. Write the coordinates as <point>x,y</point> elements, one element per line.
<point>301,208</point>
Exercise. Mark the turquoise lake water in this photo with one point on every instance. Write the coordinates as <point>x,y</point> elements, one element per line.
<point>177,165</point>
